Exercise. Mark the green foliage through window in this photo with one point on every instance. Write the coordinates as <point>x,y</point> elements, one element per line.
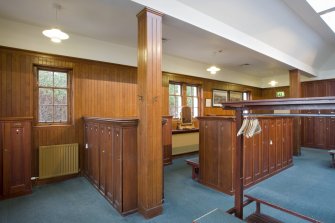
<point>52,96</point>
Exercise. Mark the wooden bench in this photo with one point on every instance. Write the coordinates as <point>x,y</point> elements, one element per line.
<point>332,154</point>
<point>194,162</point>
<point>217,216</point>
<point>262,218</point>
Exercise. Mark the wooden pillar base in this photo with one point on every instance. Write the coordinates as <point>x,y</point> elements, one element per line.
<point>151,212</point>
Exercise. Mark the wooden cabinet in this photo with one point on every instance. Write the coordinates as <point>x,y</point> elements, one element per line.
<point>217,137</point>
<point>167,140</point>
<point>111,150</point>
<point>318,132</point>
<point>264,154</point>
<point>15,158</point>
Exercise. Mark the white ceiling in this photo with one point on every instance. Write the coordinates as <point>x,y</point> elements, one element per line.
<point>280,24</point>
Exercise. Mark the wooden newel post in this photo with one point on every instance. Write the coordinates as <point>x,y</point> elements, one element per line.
<point>149,88</point>
<point>239,168</point>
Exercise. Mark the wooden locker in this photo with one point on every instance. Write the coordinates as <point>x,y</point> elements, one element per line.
<point>279,143</point>
<point>272,145</point>
<point>265,147</point>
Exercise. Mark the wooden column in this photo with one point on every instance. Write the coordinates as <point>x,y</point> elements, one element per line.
<point>149,84</point>
<point>239,168</point>
<point>295,92</point>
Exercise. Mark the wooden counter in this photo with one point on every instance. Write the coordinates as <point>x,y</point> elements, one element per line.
<point>264,154</point>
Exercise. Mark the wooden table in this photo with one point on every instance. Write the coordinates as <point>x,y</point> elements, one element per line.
<point>194,162</point>
<point>332,153</point>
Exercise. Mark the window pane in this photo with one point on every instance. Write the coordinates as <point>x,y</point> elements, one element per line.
<point>178,101</point>
<point>188,91</point>
<point>195,112</point>
<point>195,102</point>
<point>178,112</point>
<point>172,101</point>
<point>60,97</point>
<point>171,89</point>
<point>60,114</point>
<point>177,88</point>
<point>45,78</point>
<point>189,101</point>
<point>45,96</point>
<point>194,91</point>
<point>172,111</point>
<point>60,79</point>
<point>45,113</point>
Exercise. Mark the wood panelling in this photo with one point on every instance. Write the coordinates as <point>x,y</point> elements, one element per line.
<point>264,154</point>
<point>99,89</point>
<point>270,93</point>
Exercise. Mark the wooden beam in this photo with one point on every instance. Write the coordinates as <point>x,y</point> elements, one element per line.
<point>295,92</point>
<point>149,84</point>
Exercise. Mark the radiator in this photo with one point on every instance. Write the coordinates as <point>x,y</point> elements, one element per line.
<point>58,160</point>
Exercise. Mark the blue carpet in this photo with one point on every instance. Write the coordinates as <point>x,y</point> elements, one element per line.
<point>307,187</point>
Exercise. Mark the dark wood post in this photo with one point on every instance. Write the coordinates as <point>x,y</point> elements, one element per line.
<point>239,168</point>
<point>295,92</point>
<point>149,84</point>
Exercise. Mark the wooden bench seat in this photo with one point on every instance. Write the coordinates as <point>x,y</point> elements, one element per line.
<point>261,218</point>
<point>194,162</point>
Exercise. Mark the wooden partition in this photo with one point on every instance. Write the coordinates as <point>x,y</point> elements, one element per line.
<point>265,154</point>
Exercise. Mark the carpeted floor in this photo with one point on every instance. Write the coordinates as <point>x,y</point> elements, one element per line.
<point>307,187</point>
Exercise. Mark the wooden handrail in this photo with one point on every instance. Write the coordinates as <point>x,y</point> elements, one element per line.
<point>258,201</point>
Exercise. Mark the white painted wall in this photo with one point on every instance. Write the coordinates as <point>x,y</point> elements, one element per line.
<point>29,37</point>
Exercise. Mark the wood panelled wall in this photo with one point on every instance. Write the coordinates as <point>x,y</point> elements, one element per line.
<point>270,93</point>
<point>99,89</point>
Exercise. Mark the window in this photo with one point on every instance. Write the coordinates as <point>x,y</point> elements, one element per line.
<point>192,99</point>
<point>175,100</point>
<point>183,95</point>
<point>53,92</point>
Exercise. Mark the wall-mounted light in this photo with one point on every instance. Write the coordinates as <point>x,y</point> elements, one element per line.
<point>56,35</point>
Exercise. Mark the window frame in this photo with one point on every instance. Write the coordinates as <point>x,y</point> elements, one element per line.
<point>184,96</point>
<point>174,95</point>
<point>69,88</point>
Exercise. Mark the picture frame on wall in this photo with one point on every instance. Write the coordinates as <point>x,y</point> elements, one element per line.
<point>219,97</point>
<point>235,96</point>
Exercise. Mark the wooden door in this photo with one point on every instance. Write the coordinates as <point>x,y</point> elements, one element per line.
<point>331,132</point>
<point>272,145</point>
<point>102,153</point>
<point>285,141</point>
<point>117,168</point>
<point>265,147</point>
<point>94,154</point>
<point>109,165</point>
<point>320,132</point>
<point>1,157</point>
<point>257,157</point>
<point>16,158</point>
<point>225,144</point>
<point>289,141</point>
<point>209,160</point>
<point>167,140</point>
<point>307,131</point>
<point>248,160</point>
<point>86,132</point>
<point>279,143</point>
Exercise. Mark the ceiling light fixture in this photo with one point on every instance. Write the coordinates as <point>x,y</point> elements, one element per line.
<point>56,35</point>
<point>273,83</point>
<point>213,69</point>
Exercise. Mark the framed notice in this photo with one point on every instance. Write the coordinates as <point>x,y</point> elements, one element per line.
<point>219,97</point>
